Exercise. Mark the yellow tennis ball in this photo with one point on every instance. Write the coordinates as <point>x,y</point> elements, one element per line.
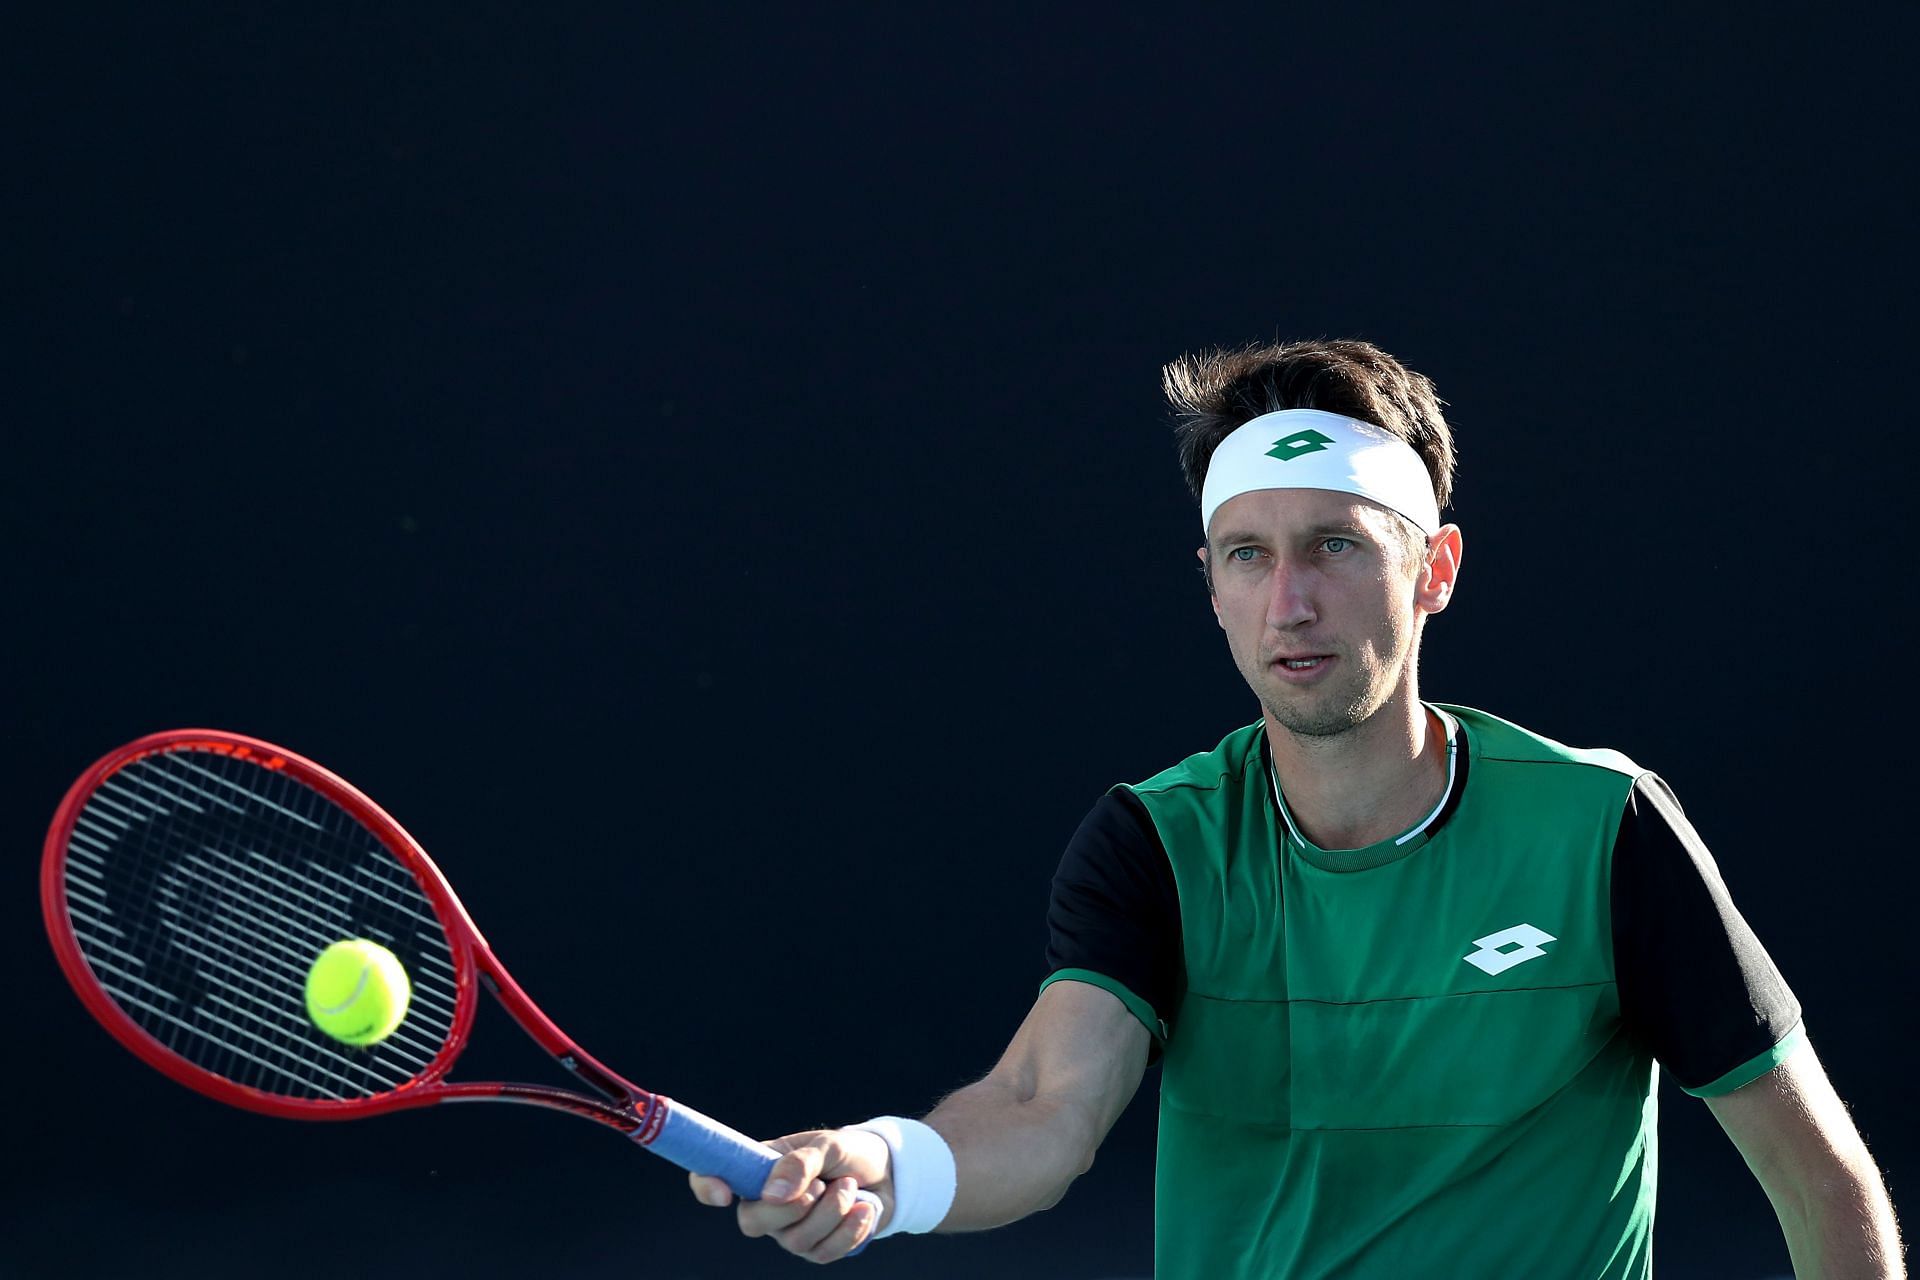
<point>357,992</point>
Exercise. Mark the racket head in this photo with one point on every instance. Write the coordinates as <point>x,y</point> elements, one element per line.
<point>190,876</point>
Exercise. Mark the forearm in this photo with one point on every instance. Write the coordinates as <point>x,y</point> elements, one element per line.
<point>1841,1227</point>
<point>1017,1139</point>
<point>1015,1152</point>
<point>1804,1150</point>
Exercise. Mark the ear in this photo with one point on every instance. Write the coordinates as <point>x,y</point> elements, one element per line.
<point>1433,585</point>
<point>1213,596</point>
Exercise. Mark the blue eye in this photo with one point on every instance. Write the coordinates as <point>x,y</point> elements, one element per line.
<point>1337,545</point>
<point>1243,554</point>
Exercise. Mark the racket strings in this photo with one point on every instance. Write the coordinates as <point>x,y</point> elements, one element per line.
<point>200,887</point>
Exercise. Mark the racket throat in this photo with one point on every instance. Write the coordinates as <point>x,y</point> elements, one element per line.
<point>617,1102</point>
<point>644,1113</point>
<point>603,1082</point>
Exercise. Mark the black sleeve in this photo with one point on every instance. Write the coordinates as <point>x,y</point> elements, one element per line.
<point>1115,909</point>
<point>1697,989</point>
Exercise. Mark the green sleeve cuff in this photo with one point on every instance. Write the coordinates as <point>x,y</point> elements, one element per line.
<point>1135,1005</point>
<point>1753,1068</point>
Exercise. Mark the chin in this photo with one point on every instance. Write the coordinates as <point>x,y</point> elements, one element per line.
<point>1326,714</point>
<point>1317,722</point>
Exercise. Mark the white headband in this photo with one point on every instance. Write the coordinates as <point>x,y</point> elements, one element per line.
<point>1308,449</point>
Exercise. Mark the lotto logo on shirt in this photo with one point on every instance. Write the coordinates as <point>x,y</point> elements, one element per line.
<point>1499,952</point>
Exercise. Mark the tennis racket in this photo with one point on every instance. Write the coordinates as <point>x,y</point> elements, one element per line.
<point>190,879</point>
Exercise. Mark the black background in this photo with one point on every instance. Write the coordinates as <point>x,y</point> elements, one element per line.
<point>704,473</point>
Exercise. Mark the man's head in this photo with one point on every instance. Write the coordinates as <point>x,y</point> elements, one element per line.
<point>1322,591</point>
<point>1214,393</point>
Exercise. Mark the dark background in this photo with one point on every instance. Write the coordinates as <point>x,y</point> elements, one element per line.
<point>704,473</point>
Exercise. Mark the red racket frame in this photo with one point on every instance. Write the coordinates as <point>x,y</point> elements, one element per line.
<point>623,1105</point>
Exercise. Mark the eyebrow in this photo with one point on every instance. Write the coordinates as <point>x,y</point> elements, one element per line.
<point>1332,528</point>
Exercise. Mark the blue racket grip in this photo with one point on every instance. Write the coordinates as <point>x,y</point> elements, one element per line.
<point>700,1144</point>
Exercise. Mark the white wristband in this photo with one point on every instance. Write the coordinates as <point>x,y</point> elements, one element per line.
<point>922,1171</point>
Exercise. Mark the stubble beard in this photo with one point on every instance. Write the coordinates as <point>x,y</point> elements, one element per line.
<point>1330,712</point>
<point>1324,717</point>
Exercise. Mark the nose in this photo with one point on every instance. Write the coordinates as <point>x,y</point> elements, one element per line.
<point>1289,596</point>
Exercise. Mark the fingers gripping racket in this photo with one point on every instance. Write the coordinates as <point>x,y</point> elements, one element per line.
<point>190,879</point>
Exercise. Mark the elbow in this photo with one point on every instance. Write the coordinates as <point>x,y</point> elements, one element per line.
<point>1083,1142</point>
<point>1087,1152</point>
<point>1059,1190</point>
<point>1069,1136</point>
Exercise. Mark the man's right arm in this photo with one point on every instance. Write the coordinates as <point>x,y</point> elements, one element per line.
<point>1020,1136</point>
<point>1025,1132</point>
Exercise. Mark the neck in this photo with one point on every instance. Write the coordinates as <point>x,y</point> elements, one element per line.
<point>1368,784</point>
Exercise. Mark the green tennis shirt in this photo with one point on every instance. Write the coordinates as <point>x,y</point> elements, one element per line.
<point>1407,1059</point>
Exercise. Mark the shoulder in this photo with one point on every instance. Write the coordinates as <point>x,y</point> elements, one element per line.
<point>1501,741</point>
<point>1208,770</point>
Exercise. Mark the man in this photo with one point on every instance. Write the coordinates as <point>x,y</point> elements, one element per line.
<point>1407,967</point>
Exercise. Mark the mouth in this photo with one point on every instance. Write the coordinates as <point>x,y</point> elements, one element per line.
<point>1303,667</point>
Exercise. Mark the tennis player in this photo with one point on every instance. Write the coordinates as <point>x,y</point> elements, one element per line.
<point>1407,968</point>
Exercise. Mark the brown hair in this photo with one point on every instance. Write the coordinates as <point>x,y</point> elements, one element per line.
<point>1215,392</point>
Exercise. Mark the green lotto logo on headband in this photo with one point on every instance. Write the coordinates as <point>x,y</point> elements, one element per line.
<point>1300,443</point>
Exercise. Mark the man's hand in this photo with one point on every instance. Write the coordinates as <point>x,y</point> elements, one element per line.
<point>807,1205</point>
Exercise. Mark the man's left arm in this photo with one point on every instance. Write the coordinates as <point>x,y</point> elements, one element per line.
<point>1796,1136</point>
<point>1700,993</point>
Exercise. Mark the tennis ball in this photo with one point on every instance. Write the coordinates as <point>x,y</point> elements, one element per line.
<point>357,992</point>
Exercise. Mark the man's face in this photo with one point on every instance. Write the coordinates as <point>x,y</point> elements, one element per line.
<point>1318,594</point>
